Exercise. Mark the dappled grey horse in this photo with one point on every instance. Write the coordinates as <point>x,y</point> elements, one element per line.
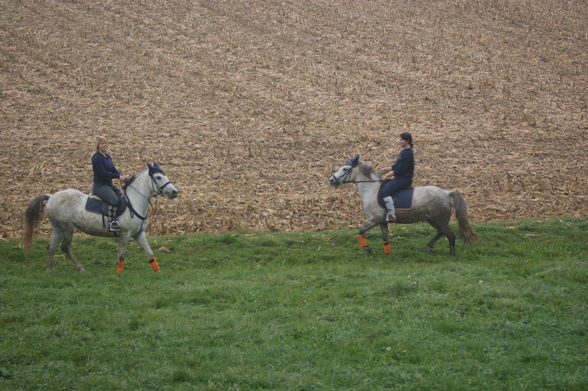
<point>429,203</point>
<point>66,210</point>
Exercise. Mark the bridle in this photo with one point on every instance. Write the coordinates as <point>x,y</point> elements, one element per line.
<point>158,191</point>
<point>343,176</point>
<point>347,172</point>
<point>159,188</point>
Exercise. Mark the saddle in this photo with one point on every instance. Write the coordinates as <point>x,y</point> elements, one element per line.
<point>402,199</point>
<point>95,204</point>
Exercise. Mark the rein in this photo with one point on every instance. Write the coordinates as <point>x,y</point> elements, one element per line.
<point>342,179</point>
<point>131,208</point>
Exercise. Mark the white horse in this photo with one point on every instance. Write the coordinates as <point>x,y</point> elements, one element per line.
<point>66,211</point>
<point>430,203</point>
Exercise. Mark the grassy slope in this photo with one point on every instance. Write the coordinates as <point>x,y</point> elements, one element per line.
<point>303,311</point>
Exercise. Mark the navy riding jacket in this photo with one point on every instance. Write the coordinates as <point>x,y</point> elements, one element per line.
<point>404,166</point>
<point>104,169</point>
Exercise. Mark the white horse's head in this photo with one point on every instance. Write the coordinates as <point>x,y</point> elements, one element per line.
<point>161,183</point>
<point>345,173</point>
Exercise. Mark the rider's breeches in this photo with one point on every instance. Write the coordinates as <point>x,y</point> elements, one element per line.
<point>108,194</point>
<point>389,188</point>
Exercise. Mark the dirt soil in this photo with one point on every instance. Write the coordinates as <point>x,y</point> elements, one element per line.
<point>250,105</point>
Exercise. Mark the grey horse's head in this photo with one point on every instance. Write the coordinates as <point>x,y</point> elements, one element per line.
<point>343,175</point>
<point>162,183</point>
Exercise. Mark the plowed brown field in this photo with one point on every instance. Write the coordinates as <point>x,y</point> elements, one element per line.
<point>249,105</point>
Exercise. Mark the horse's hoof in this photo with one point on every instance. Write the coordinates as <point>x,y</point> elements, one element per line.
<point>154,264</point>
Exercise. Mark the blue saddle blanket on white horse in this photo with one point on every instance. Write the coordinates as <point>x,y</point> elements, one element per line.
<point>96,205</point>
<point>402,199</point>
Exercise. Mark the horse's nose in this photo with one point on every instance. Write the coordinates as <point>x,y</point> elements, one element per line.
<point>174,194</point>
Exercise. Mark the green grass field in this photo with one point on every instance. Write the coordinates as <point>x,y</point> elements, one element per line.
<point>303,311</point>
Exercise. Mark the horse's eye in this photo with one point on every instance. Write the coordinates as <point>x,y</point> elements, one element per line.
<point>158,177</point>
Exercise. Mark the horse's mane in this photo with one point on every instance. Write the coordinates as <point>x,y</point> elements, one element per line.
<point>129,182</point>
<point>367,170</point>
<point>132,179</point>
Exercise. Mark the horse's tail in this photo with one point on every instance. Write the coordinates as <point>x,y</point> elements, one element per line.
<point>32,217</point>
<point>461,213</point>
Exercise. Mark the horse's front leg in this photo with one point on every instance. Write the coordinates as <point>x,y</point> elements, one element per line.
<point>123,241</point>
<point>371,223</point>
<point>142,240</point>
<point>384,229</point>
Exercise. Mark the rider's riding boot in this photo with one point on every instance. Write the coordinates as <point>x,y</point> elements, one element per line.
<point>114,225</point>
<point>390,212</point>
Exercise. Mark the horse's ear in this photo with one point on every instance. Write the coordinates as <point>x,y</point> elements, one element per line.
<point>154,168</point>
<point>355,161</point>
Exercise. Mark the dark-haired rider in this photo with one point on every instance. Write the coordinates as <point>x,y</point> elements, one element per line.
<point>402,171</point>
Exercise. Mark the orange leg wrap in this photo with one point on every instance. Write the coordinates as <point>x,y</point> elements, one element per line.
<point>362,241</point>
<point>387,249</point>
<point>120,267</point>
<point>154,264</point>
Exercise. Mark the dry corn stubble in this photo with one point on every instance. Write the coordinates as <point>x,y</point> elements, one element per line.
<point>249,106</point>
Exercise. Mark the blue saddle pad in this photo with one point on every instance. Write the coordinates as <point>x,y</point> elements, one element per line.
<point>402,199</point>
<point>97,206</point>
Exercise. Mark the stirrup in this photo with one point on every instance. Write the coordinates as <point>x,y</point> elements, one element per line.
<point>114,226</point>
<point>391,220</point>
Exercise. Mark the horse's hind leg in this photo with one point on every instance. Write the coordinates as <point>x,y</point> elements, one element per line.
<point>436,237</point>
<point>451,238</point>
<point>66,247</point>
<point>433,241</point>
<point>445,230</point>
<point>56,237</point>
